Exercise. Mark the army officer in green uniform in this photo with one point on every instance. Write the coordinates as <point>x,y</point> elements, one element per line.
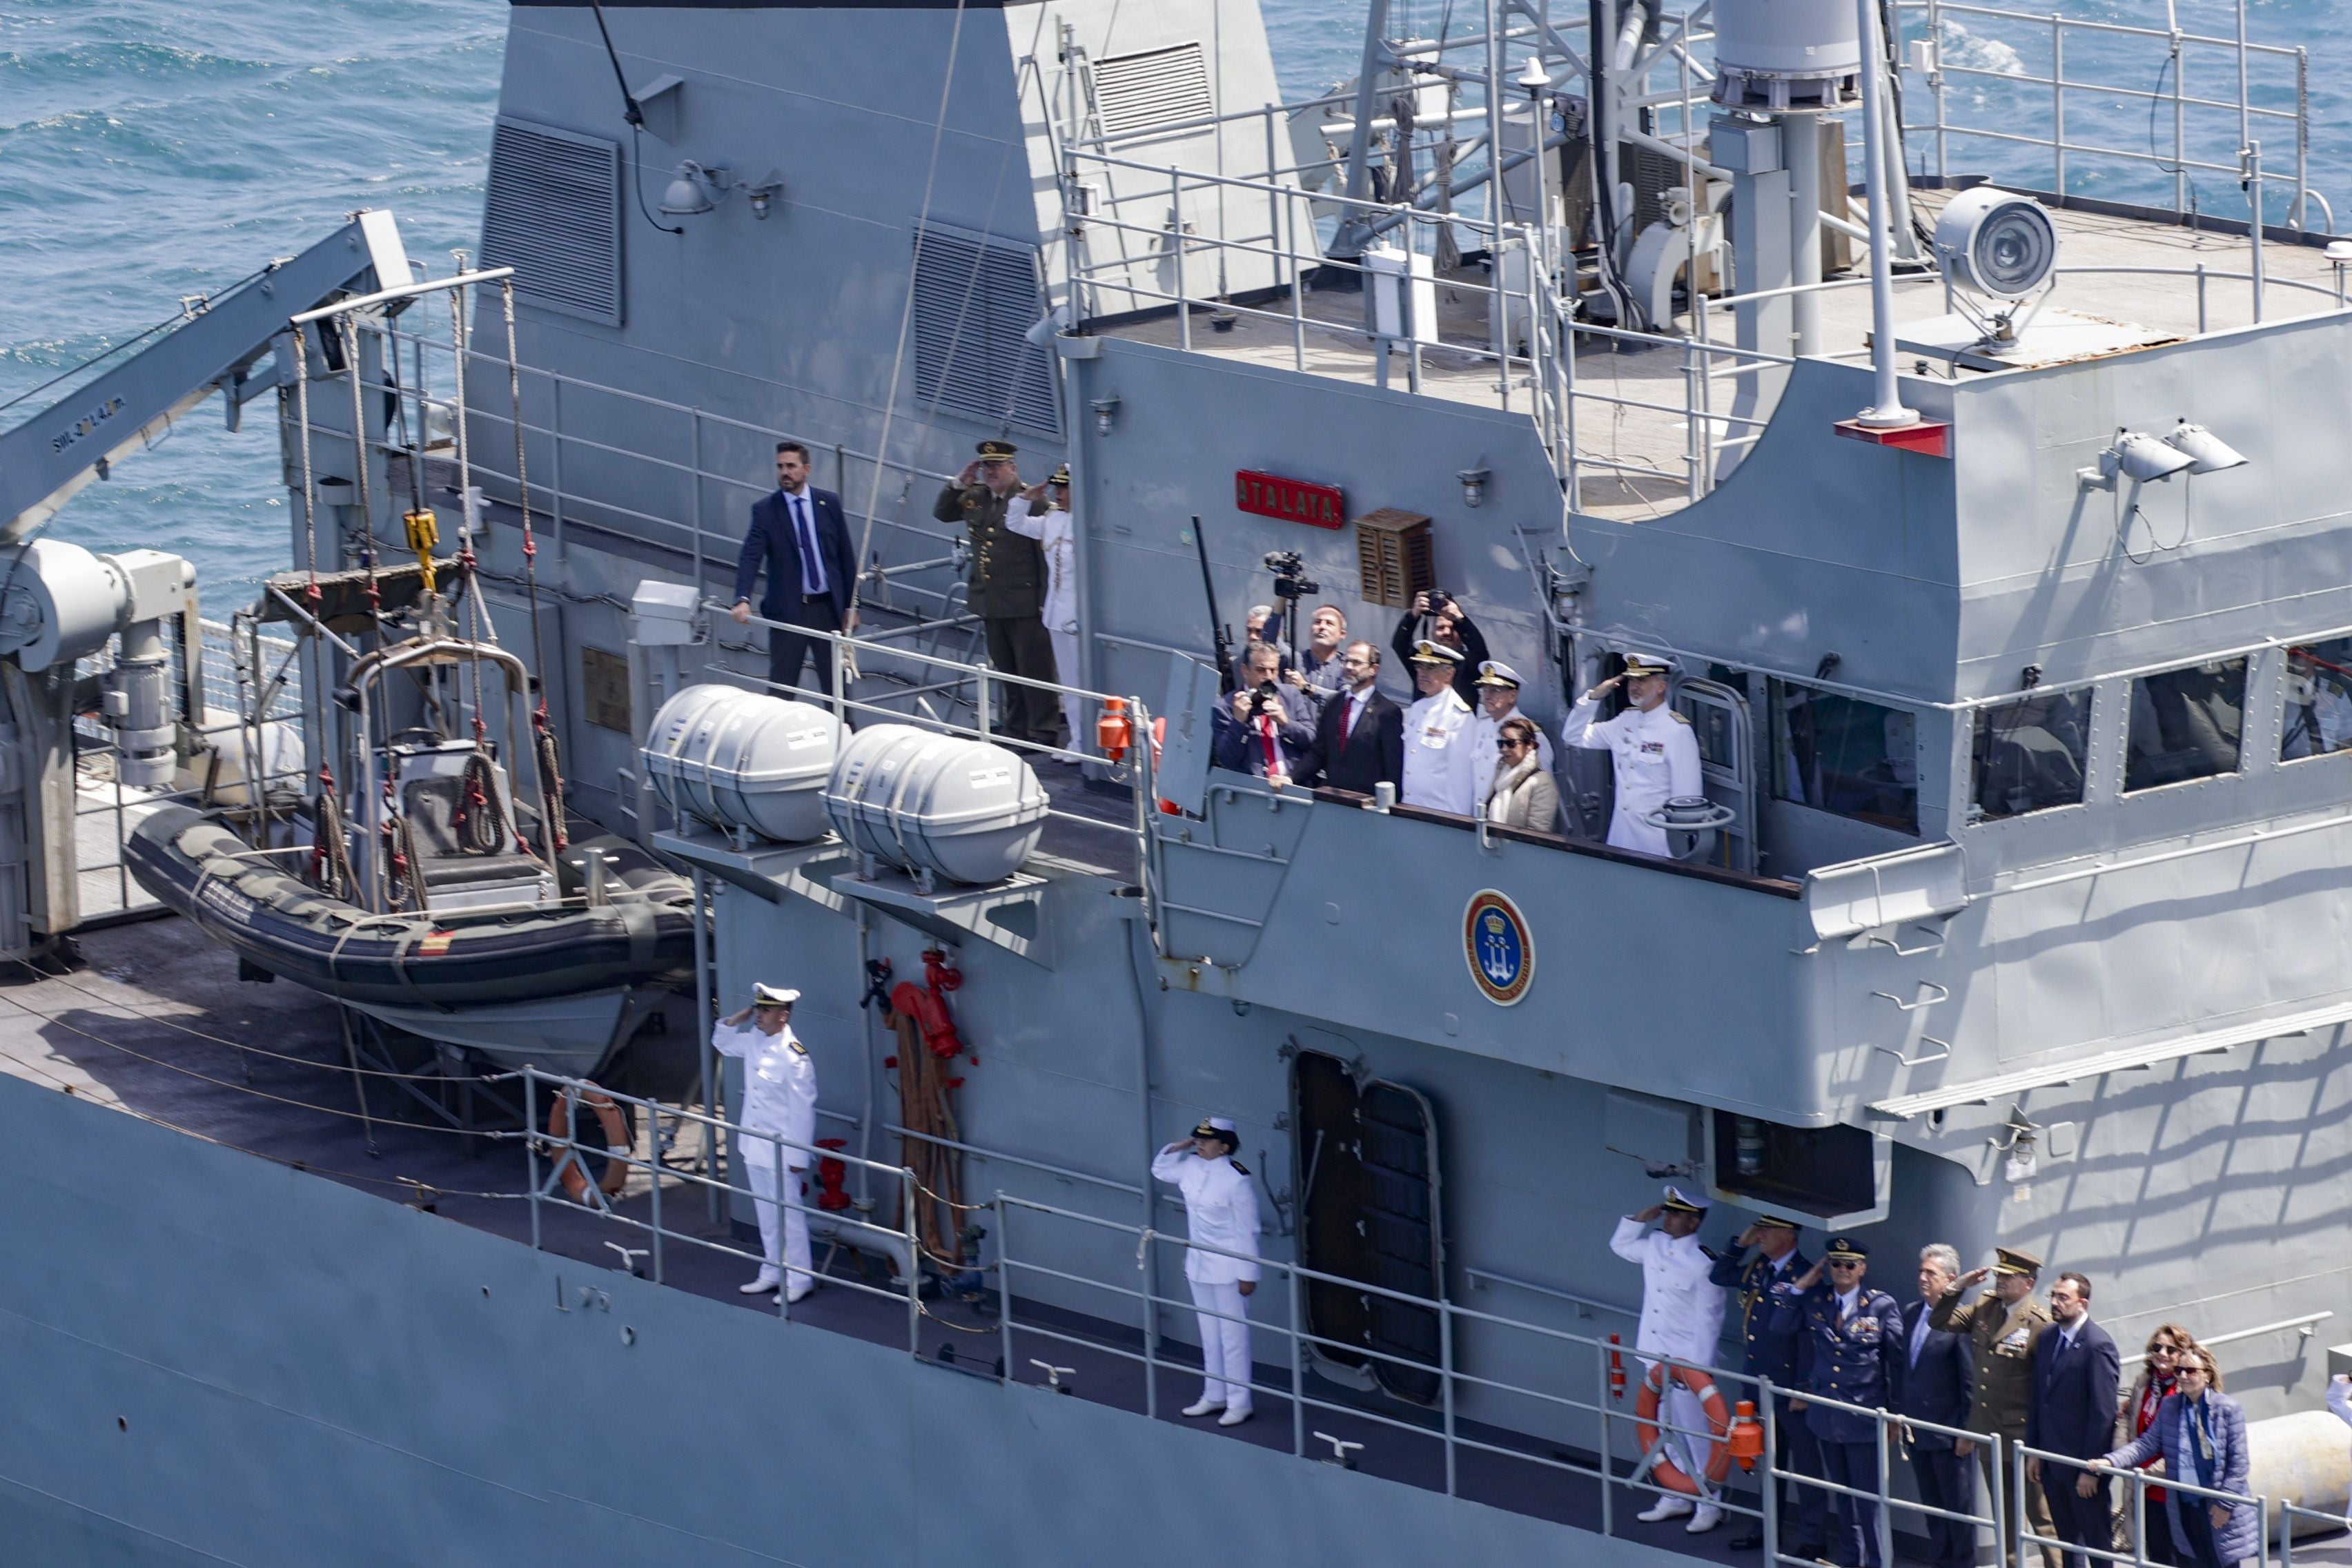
<point>1007,592</point>
<point>2001,1325</point>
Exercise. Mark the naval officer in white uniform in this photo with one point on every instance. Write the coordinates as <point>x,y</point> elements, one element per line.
<point>780,1097</point>
<point>1499,698</point>
<point>1221,1210</point>
<point>1441,736</point>
<point>1656,754</point>
<point>1681,1316</point>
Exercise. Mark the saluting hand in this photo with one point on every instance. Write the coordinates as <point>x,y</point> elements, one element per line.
<point>735,1020</point>
<point>1971,1278</point>
<point>1746,1238</point>
<point>1649,1213</point>
<point>1812,1276</point>
<point>967,476</point>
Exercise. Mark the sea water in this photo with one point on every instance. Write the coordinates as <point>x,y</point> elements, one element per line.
<point>153,150</point>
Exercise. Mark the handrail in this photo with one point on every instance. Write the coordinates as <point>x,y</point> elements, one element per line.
<point>2308,1322</point>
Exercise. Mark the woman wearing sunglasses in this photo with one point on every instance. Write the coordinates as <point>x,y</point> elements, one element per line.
<point>2201,1433</point>
<point>1523,795</point>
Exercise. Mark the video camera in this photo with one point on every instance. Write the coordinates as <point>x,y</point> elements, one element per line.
<point>1290,579</point>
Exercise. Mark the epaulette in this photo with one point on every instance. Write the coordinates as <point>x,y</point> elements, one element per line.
<point>795,1043</point>
<point>1681,717</point>
<point>1710,1254</point>
<point>1239,1166</point>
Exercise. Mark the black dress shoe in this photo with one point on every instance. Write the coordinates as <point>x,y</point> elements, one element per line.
<point>1747,1543</point>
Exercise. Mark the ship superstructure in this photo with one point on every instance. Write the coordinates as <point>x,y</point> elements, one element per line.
<point>2002,583</point>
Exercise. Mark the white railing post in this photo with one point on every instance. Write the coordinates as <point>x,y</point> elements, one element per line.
<point>915,1268</point>
<point>1176,241</point>
<point>1004,1294</point>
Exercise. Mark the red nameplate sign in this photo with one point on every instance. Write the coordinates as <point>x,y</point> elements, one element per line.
<point>1296,500</point>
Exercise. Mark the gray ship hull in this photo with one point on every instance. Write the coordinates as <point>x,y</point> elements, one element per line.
<point>233,1362</point>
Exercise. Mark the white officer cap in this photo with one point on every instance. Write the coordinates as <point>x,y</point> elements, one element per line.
<point>1495,672</point>
<point>1428,652</point>
<point>1221,1128</point>
<point>1676,1201</point>
<point>766,995</point>
<point>1648,664</point>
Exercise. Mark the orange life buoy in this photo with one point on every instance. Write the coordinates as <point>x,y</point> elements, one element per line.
<point>1668,1474</point>
<point>617,1144</point>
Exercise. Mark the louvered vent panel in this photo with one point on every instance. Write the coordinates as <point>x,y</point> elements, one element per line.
<point>555,216</point>
<point>975,300</point>
<point>1161,87</point>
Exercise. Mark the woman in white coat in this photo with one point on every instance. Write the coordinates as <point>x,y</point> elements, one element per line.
<point>1050,526</point>
<point>1219,1210</point>
<point>779,1098</point>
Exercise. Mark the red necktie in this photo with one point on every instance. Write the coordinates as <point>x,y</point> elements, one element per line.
<point>1355,706</point>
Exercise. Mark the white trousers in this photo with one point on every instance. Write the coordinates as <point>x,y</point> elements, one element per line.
<point>1683,1409</point>
<point>1065,673</point>
<point>1224,1344</point>
<point>762,1177</point>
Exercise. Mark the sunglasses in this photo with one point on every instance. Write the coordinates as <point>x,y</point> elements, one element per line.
<point>1510,745</point>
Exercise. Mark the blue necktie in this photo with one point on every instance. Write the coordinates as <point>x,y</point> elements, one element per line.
<point>811,567</point>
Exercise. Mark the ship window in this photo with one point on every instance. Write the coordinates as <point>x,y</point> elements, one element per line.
<point>975,299</point>
<point>2028,754</point>
<point>2185,724</point>
<point>2318,708</point>
<point>1820,1170</point>
<point>553,213</point>
<point>1843,755</point>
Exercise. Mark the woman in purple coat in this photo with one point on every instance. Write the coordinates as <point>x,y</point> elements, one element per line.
<point>2201,1433</point>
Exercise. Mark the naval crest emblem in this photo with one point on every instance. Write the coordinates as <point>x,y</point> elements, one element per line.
<point>1496,946</point>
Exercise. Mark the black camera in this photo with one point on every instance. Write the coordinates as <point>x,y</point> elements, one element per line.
<point>1266,698</point>
<point>1290,579</point>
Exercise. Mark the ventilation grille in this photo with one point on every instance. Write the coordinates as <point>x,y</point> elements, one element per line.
<point>1161,87</point>
<point>555,216</point>
<point>975,300</point>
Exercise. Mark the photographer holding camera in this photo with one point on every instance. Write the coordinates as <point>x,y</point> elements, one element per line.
<point>1264,728</point>
<point>1449,627</point>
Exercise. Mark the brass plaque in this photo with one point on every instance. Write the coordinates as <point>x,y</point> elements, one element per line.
<point>604,689</point>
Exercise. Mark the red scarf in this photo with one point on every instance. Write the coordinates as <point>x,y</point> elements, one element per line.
<point>2145,1416</point>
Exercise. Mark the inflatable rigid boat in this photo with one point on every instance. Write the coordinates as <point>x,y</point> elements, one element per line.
<point>549,984</point>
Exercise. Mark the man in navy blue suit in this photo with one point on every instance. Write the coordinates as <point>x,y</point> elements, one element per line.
<point>1940,1385</point>
<point>2076,1377</point>
<point>798,534</point>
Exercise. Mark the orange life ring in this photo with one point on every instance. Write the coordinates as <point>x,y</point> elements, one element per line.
<point>1663,1469</point>
<point>617,1144</point>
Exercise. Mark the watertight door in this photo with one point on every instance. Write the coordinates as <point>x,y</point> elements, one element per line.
<point>1369,1212</point>
<point>1725,761</point>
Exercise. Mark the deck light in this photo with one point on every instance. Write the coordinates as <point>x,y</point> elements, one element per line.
<point>1473,486</point>
<point>694,190</point>
<point>1105,413</point>
<point>2207,453</point>
<point>2141,458</point>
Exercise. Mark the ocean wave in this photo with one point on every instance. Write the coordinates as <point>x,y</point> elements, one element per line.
<point>1964,49</point>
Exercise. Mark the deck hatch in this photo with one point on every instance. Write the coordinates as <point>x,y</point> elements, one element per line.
<point>1141,92</point>
<point>976,297</point>
<point>553,213</point>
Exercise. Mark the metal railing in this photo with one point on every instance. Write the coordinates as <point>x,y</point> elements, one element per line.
<point>2024,1461</point>
<point>2168,92</point>
<point>553,1156</point>
<point>1471,1418</point>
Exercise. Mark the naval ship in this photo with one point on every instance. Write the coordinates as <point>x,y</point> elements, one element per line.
<point>2014,912</point>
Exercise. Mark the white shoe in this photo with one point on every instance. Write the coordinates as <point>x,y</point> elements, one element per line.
<point>1204,1408</point>
<point>760,1286</point>
<point>1235,1415</point>
<point>1666,1508</point>
<point>1708,1517</point>
<point>799,1292</point>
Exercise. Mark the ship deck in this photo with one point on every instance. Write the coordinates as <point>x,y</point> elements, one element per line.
<point>154,1023</point>
<point>2155,275</point>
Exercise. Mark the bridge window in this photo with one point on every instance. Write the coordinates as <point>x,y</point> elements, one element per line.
<point>2185,724</point>
<point>2318,705</point>
<point>1843,755</point>
<point>2028,754</point>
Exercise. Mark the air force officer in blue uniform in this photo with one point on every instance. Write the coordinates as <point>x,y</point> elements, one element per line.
<point>1853,1345</point>
<point>1773,1353</point>
<point>798,534</point>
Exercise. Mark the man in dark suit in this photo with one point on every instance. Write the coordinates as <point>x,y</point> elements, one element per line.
<point>1940,1385</point>
<point>798,534</point>
<point>2077,1375</point>
<point>1776,1355</point>
<point>1268,726</point>
<point>1359,737</point>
